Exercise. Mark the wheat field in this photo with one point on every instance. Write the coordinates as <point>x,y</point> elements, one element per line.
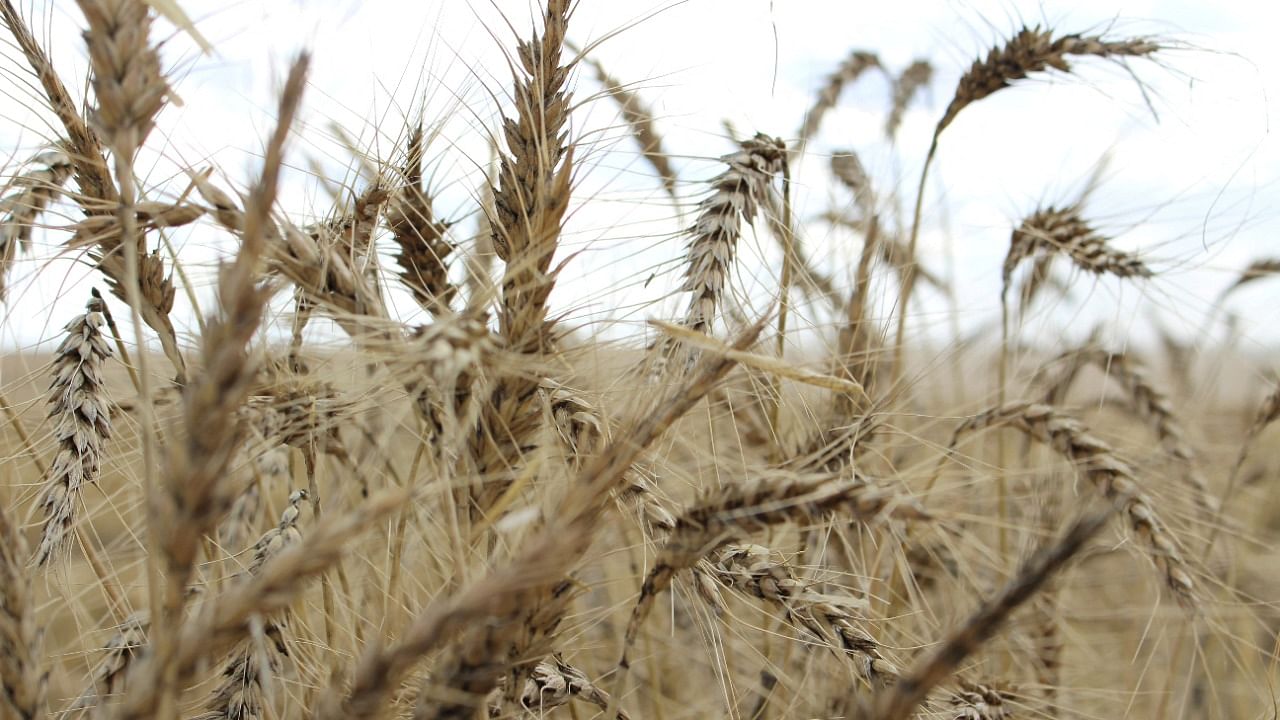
<point>258,487</point>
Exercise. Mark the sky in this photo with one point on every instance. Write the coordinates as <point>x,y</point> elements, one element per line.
<point>1190,165</point>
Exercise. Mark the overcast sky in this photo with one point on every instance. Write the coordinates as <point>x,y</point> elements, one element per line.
<point>1191,179</point>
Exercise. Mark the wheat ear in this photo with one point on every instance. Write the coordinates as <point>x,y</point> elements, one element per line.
<point>737,511</point>
<point>1110,475</point>
<point>530,203</point>
<point>915,78</point>
<point>713,242</point>
<point>424,249</point>
<point>643,125</point>
<point>240,695</point>
<point>758,572</point>
<point>913,686</point>
<point>1029,51</point>
<point>22,681</point>
<point>82,425</point>
<point>35,189</point>
<point>850,69</point>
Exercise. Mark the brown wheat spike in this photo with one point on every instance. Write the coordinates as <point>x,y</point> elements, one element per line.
<point>1063,230</point>
<point>1152,405</point>
<point>736,194</point>
<point>22,681</point>
<point>554,682</point>
<point>530,203</point>
<point>424,249</point>
<point>109,674</point>
<point>981,626</point>
<point>81,411</point>
<point>640,119</point>
<point>1257,270</point>
<point>739,510</point>
<point>759,572</point>
<point>240,695</point>
<point>126,79</point>
<point>34,190</point>
<point>850,69</point>
<point>507,647</point>
<point>84,148</point>
<point>542,564</point>
<point>533,181</point>
<point>228,618</point>
<point>194,497</point>
<point>911,81</point>
<point>1112,476</point>
<point>1029,51</point>
<point>975,701</point>
<point>848,169</point>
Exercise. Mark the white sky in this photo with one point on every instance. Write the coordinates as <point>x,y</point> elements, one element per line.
<point>1193,188</point>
